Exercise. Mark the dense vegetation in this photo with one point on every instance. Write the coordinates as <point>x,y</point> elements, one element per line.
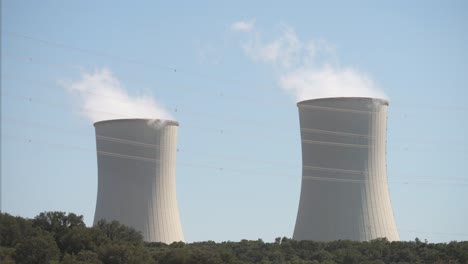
<point>57,237</point>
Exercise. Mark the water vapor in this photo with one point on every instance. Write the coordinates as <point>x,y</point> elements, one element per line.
<point>245,26</point>
<point>307,69</point>
<point>102,97</point>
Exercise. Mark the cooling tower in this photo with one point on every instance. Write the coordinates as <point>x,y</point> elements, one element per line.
<point>344,191</point>
<point>137,176</point>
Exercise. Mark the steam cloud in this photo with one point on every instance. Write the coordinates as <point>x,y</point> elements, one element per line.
<point>245,26</point>
<point>103,97</point>
<point>307,70</point>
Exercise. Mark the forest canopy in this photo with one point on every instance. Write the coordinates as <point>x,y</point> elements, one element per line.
<point>58,237</point>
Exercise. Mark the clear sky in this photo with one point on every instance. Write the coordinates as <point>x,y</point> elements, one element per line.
<point>230,73</point>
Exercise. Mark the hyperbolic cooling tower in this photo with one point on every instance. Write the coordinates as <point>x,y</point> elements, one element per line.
<point>137,176</point>
<point>344,193</point>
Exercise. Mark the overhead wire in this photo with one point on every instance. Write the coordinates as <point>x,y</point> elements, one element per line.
<point>67,131</point>
<point>137,143</point>
<point>218,169</point>
<point>202,165</point>
<point>125,156</point>
<point>218,131</point>
<point>214,154</point>
<point>127,60</point>
<point>221,130</point>
<point>89,51</point>
<point>276,165</point>
<point>143,63</point>
<point>170,68</point>
<point>60,66</point>
<point>163,68</point>
<point>216,92</point>
<point>175,108</point>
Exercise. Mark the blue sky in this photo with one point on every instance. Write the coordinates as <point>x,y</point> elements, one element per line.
<point>238,173</point>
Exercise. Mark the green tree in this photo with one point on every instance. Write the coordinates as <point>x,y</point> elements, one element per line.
<point>84,257</point>
<point>204,256</point>
<point>115,231</point>
<point>322,255</point>
<point>125,254</point>
<point>79,239</point>
<point>13,229</point>
<point>7,255</point>
<point>57,222</point>
<point>40,248</point>
<point>175,256</point>
<point>89,257</point>
<point>39,240</point>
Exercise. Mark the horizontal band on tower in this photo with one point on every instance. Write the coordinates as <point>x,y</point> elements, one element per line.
<point>331,179</point>
<point>334,170</point>
<point>336,109</point>
<point>129,142</point>
<point>335,144</point>
<point>104,153</point>
<point>319,131</point>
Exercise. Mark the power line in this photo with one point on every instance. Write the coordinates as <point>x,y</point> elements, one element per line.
<point>217,168</point>
<point>105,55</point>
<point>120,155</point>
<point>216,93</point>
<point>164,68</point>
<point>144,63</point>
<point>124,156</point>
<point>137,143</point>
<point>32,60</point>
<point>241,159</point>
<point>211,166</point>
<point>174,109</point>
<point>174,69</point>
<point>218,130</point>
<point>47,103</point>
<point>89,51</point>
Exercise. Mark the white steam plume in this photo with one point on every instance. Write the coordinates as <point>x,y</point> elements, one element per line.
<point>103,97</point>
<point>245,26</point>
<point>310,69</point>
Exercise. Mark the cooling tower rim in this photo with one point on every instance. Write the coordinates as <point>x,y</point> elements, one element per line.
<point>365,99</point>
<point>167,121</point>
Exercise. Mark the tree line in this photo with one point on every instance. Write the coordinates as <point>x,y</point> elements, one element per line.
<point>58,237</point>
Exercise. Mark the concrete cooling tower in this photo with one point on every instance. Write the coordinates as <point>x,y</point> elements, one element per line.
<point>344,192</point>
<point>137,176</point>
